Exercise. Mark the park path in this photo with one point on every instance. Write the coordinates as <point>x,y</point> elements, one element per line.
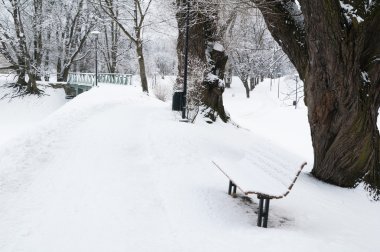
<point>114,170</point>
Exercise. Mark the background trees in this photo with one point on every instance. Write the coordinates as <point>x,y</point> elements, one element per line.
<point>72,31</point>
<point>252,50</point>
<point>37,36</point>
<point>47,37</point>
<point>129,16</point>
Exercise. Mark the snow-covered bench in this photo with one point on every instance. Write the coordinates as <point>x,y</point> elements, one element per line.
<point>267,177</point>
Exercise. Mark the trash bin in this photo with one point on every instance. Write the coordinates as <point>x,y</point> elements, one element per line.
<point>177,101</point>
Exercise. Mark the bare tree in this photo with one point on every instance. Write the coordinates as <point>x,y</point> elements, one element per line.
<point>15,46</point>
<point>252,50</point>
<point>131,22</point>
<point>71,33</point>
<point>111,37</point>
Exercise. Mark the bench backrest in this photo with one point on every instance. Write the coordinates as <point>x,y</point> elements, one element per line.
<point>272,177</point>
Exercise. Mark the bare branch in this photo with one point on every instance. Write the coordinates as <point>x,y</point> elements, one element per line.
<point>275,13</point>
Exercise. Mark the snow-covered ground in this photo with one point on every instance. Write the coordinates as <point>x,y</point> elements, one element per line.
<point>114,170</point>
<point>271,116</point>
<point>18,115</point>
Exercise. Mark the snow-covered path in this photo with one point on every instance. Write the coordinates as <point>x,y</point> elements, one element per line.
<point>97,187</point>
<point>113,170</point>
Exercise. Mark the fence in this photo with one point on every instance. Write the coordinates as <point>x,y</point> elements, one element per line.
<point>88,79</point>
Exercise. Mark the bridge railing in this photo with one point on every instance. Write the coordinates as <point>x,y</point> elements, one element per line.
<point>88,79</point>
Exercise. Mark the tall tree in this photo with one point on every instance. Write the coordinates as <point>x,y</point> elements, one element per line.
<point>110,37</point>
<point>37,34</point>
<point>15,42</point>
<point>37,37</point>
<point>73,26</point>
<point>334,46</point>
<point>205,49</point>
<point>130,17</point>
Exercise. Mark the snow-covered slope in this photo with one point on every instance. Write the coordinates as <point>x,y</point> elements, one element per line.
<point>114,170</point>
<point>271,117</point>
<point>21,114</point>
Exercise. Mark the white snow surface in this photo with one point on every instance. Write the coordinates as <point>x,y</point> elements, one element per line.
<point>18,115</point>
<point>271,117</point>
<point>218,47</point>
<point>350,11</point>
<point>114,170</point>
<point>256,171</point>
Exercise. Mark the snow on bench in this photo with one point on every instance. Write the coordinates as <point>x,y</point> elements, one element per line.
<point>267,177</point>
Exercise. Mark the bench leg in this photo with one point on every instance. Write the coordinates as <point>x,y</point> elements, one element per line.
<point>263,214</point>
<point>231,188</point>
<point>266,212</point>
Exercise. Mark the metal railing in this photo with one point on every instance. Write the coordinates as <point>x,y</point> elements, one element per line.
<point>88,79</point>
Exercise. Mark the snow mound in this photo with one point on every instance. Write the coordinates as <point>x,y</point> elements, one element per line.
<point>21,113</point>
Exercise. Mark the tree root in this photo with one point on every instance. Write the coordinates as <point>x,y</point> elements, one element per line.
<point>18,90</point>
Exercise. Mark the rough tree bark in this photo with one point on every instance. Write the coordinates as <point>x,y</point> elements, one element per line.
<point>37,37</point>
<point>25,64</point>
<point>204,47</point>
<point>337,56</point>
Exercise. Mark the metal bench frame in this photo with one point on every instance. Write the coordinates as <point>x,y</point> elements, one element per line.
<point>263,214</point>
<point>264,199</point>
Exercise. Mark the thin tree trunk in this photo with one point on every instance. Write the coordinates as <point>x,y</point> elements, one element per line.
<point>65,74</point>
<point>252,82</point>
<point>59,70</point>
<point>246,86</point>
<point>37,38</point>
<point>140,55</point>
<point>47,59</point>
<point>228,78</point>
<point>114,47</point>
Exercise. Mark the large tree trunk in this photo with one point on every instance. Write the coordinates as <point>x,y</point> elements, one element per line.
<point>342,107</point>
<point>334,54</point>
<point>204,50</point>
<point>213,92</point>
<point>343,125</point>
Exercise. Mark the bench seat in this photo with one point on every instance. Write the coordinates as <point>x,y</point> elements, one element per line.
<point>267,177</point>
